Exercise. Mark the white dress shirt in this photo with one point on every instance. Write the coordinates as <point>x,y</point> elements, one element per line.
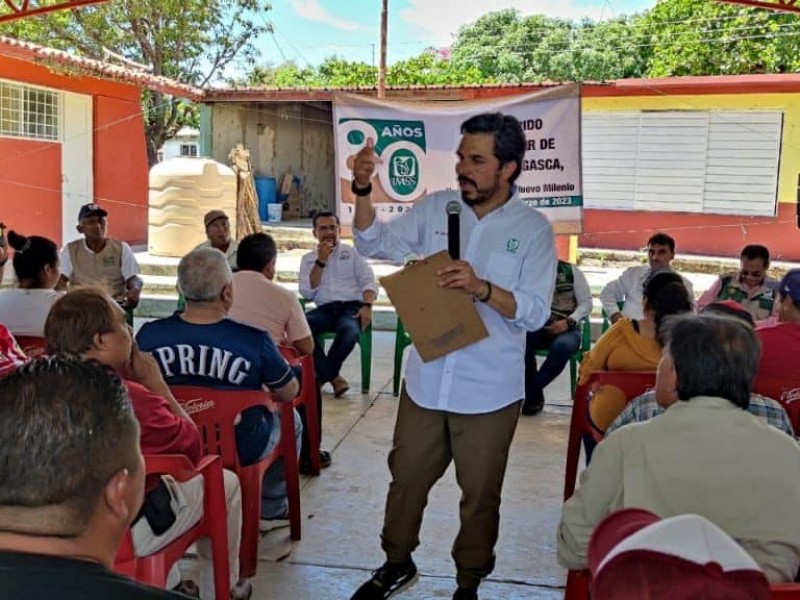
<point>513,248</point>
<point>129,266</point>
<point>583,295</point>
<point>345,278</point>
<point>705,457</point>
<point>629,288</point>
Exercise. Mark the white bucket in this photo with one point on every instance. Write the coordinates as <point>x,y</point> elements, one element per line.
<point>274,212</point>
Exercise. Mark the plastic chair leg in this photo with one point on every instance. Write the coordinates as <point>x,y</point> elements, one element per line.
<point>577,586</point>
<point>219,540</point>
<point>573,374</point>
<point>290,470</point>
<point>574,444</point>
<point>314,440</point>
<point>250,480</point>
<point>365,342</point>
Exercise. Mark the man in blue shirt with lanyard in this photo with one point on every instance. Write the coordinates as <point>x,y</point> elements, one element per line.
<point>464,406</point>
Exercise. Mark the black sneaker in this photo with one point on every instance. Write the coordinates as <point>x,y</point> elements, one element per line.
<point>390,578</point>
<point>465,594</point>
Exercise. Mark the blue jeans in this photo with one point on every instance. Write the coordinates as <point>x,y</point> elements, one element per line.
<point>338,317</point>
<point>559,350</point>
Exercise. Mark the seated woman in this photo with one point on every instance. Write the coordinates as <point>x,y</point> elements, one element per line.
<point>633,345</point>
<point>24,309</point>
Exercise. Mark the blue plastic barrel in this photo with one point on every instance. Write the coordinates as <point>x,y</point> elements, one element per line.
<point>266,190</point>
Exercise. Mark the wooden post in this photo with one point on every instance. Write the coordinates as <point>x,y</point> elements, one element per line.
<point>382,64</point>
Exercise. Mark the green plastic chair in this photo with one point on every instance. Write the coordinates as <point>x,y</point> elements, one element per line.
<point>401,340</point>
<point>575,359</point>
<point>606,322</point>
<point>365,345</point>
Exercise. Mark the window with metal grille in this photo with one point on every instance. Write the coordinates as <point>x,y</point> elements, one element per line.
<point>188,149</point>
<point>29,112</point>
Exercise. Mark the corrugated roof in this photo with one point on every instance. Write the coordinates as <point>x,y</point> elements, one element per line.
<point>96,68</point>
<point>721,84</point>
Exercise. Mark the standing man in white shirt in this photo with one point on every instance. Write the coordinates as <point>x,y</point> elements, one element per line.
<point>464,406</point>
<point>342,285</point>
<point>561,336</point>
<point>629,287</point>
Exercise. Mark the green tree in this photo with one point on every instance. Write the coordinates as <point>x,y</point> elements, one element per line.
<point>425,69</point>
<point>429,69</point>
<point>697,37</point>
<point>192,41</point>
<point>504,46</point>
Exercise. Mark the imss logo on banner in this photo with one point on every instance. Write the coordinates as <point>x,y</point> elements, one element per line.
<point>400,147</point>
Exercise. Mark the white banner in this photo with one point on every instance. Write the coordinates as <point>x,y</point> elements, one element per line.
<point>417,142</point>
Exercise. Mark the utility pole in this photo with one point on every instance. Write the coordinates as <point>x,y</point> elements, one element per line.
<point>382,65</point>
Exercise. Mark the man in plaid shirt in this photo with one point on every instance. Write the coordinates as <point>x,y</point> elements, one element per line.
<point>644,407</point>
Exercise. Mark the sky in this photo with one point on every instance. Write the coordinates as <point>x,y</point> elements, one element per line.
<point>308,31</point>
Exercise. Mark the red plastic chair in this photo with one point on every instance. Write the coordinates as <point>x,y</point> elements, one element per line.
<point>32,346</point>
<point>577,585</point>
<point>631,383</point>
<point>214,412</point>
<point>153,569</point>
<point>785,591</point>
<point>307,398</point>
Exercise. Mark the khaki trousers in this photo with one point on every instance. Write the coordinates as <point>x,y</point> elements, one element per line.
<point>425,441</point>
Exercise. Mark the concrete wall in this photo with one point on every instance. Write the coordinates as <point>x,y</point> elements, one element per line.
<point>280,136</point>
<point>709,234</point>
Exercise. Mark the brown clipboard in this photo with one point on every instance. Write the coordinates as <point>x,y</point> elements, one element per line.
<point>439,320</point>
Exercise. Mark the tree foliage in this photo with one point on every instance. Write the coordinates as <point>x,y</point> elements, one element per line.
<point>424,69</point>
<point>697,37</point>
<point>192,41</point>
<point>506,47</point>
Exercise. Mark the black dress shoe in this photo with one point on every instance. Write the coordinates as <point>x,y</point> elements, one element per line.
<point>532,408</point>
<point>325,461</point>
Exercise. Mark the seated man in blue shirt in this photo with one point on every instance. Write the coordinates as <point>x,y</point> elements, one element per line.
<point>342,285</point>
<point>202,347</point>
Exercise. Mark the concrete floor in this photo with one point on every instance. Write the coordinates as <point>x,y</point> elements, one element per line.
<point>343,508</point>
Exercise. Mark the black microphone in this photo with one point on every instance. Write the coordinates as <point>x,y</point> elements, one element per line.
<point>454,229</point>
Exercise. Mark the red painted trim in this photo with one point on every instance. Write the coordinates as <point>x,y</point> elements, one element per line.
<point>704,234</point>
<point>671,86</point>
<point>778,6</point>
<point>21,12</point>
<point>72,65</point>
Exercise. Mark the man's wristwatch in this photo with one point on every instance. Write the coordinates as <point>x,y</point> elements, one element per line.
<point>571,322</point>
<point>368,304</point>
<point>320,264</point>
